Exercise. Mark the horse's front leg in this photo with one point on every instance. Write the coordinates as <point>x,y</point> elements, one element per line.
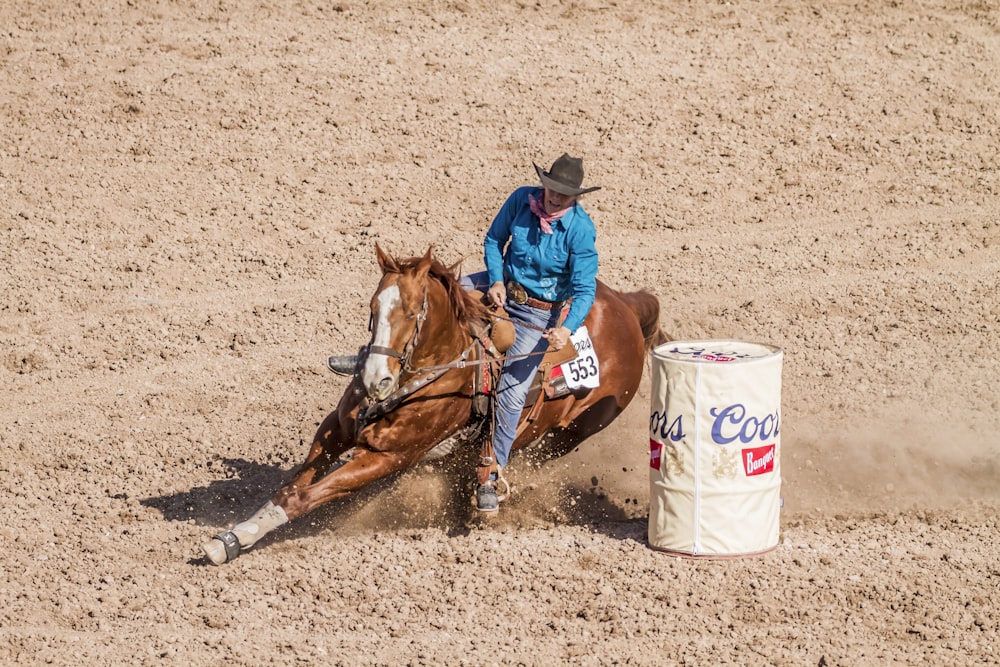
<point>295,499</point>
<point>366,467</point>
<point>332,439</point>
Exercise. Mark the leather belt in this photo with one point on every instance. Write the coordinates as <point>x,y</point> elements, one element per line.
<point>543,305</point>
<point>517,294</point>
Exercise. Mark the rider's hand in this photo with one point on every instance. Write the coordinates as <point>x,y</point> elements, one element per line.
<point>497,294</point>
<point>557,337</point>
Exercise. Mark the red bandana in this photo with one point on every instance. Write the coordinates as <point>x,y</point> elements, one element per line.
<point>544,219</point>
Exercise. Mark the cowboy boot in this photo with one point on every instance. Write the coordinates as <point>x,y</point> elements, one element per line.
<point>344,364</point>
<point>486,497</point>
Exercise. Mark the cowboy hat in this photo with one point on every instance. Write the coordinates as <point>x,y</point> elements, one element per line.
<point>565,177</point>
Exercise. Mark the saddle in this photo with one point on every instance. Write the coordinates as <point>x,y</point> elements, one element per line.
<point>496,336</point>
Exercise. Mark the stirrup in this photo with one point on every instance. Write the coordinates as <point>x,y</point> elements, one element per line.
<point>344,364</point>
<point>501,483</point>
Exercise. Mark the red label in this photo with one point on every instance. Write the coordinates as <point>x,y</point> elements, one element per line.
<point>655,450</point>
<point>759,460</point>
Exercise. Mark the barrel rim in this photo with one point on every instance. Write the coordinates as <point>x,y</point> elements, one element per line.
<point>774,352</point>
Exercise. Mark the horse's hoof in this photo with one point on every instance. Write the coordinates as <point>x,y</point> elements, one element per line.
<point>215,551</point>
<point>223,547</point>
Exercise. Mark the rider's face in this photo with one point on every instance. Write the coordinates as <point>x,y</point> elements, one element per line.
<point>556,202</point>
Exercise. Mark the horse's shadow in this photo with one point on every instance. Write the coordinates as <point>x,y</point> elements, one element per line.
<point>430,496</point>
<point>247,484</point>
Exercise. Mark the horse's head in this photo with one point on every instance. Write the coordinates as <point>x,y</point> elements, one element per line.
<point>419,315</point>
<point>398,311</point>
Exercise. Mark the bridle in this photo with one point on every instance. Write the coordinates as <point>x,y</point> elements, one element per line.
<point>461,362</point>
<point>404,356</point>
<point>419,377</point>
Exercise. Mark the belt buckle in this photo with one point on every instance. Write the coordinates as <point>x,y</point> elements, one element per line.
<point>517,293</point>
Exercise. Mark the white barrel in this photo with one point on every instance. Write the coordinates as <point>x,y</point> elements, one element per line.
<point>714,445</point>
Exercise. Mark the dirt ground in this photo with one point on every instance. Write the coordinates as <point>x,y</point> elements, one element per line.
<point>191,196</point>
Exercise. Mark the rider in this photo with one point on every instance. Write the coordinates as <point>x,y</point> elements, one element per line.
<point>540,252</point>
<point>540,255</point>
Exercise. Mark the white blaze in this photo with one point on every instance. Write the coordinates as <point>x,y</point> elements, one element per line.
<point>376,365</point>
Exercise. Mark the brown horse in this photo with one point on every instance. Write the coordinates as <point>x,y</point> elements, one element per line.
<point>416,387</point>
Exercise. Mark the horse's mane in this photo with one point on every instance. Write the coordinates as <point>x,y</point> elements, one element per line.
<point>464,304</point>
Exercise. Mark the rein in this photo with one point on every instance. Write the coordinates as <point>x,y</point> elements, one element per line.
<point>462,363</point>
<point>423,376</point>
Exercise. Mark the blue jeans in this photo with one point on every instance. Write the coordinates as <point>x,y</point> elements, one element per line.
<point>517,375</point>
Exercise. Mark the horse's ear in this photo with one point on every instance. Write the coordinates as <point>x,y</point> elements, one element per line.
<point>424,267</point>
<point>385,262</point>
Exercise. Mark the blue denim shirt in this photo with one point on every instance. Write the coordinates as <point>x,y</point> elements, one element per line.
<point>551,267</point>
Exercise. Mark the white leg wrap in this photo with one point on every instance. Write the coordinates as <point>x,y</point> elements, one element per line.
<point>267,518</point>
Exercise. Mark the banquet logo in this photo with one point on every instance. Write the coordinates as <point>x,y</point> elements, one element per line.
<point>718,357</point>
<point>759,460</point>
<point>655,452</point>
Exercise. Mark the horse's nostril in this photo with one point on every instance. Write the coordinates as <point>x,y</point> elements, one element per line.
<point>381,389</point>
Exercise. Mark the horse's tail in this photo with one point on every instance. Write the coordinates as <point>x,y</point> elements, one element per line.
<point>647,308</point>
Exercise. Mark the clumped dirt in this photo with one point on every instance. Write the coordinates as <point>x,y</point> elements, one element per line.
<point>191,197</point>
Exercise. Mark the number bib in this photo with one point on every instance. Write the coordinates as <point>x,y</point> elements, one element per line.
<point>583,371</point>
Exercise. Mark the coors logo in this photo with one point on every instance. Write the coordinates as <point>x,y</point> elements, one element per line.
<point>758,460</point>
